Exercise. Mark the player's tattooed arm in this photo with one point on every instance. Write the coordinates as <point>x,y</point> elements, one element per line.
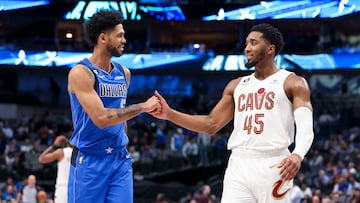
<point>124,112</point>
<point>111,116</point>
<point>90,73</point>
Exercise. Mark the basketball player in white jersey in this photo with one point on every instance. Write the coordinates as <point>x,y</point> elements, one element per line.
<point>63,156</point>
<point>264,106</point>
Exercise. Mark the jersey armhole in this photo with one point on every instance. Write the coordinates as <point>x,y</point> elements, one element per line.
<point>121,68</point>
<point>92,71</point>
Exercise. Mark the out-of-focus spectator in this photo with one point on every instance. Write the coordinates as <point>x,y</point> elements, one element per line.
<point>134,154</point>
<point>315,199</point>
<point>160,138</point>
<point>203,196</point>
<point>13,147</point>
<point>296,195</point>
<point>190,151</point>
<point>10,193</point>
<point>355,198</point>
<point>161,198</point>
<point>148,154</point>
<point>307,193</point>
<point>141,130</point>
<point>27,146</point>
<point>342,187</point>
<point>204,141</point>
<point>23,131</point>
<point>326,117</point>
<point>316,161</point>
<point>7,130</point>
<point>322,181</point>
<point>186,198</point>
<point>218,151</point>
<point>177,140</point>
<point>326,199</point>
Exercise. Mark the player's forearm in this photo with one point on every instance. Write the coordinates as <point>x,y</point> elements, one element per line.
<point>45,156</point>
<point>41,158</point>
<point>112,116</point>
<point>197,123</point>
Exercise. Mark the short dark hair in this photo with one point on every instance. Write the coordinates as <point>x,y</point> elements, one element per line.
<point>270,33</point>
<point>101,21</point>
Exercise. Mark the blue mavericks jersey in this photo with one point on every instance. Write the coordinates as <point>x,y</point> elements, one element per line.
<point>112,89</point>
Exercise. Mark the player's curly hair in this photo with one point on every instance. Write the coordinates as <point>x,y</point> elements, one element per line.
<point>272,34</point>
<point>101,21</point>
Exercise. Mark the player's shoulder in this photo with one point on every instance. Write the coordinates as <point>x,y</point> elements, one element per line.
<point>294,77</point>
<point>79,67</point>
<point>80,70</point>
<point>235,81</point>
<point>80,76</point>
<point>232,84</point>
<point>296,81</point>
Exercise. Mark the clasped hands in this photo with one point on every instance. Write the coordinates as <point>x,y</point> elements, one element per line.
<point>156,106</point>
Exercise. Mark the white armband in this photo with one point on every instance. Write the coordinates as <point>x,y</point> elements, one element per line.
<point>304,131</point>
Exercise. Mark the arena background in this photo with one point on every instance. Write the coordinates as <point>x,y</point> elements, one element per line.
<point>188,50</point>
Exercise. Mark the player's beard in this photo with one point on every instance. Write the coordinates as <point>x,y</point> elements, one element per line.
<point>114,51</point>
<point>249,65</point>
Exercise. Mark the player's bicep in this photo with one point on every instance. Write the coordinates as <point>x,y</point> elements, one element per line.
<point>300,93</point>
<point>223,112</point>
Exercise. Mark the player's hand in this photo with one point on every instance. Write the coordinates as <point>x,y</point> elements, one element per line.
<point>162,114</point>
<point>152,105</point>
<point>289,167</point>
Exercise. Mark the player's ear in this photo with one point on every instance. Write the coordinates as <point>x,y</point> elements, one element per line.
<point>102,37</point>
<point>271,48</point>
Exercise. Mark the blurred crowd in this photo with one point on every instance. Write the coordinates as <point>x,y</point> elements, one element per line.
<point>329,173</point>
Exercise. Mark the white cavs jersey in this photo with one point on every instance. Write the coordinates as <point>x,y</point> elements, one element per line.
<point>263,117</point>
<point>61,187</point>
<point>64,168</point>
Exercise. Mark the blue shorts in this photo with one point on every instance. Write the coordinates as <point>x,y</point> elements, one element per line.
<point>98,177</point>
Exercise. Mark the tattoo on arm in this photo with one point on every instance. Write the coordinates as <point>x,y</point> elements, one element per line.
<point>91,74</point>
<point>130,110</point>
<point>108,114</point>
<point>133,109</point>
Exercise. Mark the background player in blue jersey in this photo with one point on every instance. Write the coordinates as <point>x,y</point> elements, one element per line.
<point>101,169</point>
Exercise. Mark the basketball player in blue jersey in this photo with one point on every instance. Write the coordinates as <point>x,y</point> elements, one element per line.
<point>265,107</point>
<point>101,168</point>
